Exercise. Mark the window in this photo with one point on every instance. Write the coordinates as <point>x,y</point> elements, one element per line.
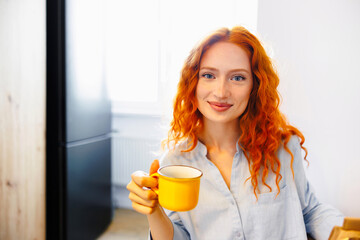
<point>147,42</point>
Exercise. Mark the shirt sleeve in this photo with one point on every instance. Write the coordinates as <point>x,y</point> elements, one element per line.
<point>319,218</point>
<point>180,233</point>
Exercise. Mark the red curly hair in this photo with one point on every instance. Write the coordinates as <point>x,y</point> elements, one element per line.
<point>263,127</point>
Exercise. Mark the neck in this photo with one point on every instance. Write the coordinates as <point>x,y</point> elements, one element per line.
<point>220,136</point>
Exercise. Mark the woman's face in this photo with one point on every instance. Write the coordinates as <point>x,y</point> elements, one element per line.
<point>225,83</point>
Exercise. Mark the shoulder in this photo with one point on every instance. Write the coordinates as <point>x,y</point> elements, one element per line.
<point>180,157</point>
<point>293,145</point>
<point>175,155</point>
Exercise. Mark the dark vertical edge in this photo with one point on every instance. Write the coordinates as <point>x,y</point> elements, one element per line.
<point>55,120</point>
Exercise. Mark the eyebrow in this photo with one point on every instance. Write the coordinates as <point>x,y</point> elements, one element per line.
<point>232,70</point>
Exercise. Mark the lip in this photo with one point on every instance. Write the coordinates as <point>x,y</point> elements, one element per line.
<point>220,107</point>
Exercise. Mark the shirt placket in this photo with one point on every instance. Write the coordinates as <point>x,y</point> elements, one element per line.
<point>234,190</point>
<point>230,195</point>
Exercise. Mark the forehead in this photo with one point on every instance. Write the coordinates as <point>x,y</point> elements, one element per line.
<point>226,55</point>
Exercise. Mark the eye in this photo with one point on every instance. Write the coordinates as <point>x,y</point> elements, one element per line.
<point>238,78</point>
<point>208,76</point>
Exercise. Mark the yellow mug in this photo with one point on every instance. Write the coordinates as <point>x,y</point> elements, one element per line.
<point>178,187</point>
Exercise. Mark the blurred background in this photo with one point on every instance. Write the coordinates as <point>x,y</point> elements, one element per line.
<point>87,88</point>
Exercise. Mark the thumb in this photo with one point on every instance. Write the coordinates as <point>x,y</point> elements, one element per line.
<point>154,166</point>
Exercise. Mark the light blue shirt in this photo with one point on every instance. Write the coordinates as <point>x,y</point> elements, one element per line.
<point>229,214</point>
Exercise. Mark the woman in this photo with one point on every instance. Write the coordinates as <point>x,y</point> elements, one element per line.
<point>227,123</point>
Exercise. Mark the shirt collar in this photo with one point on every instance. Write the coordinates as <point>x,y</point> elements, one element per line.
<point>201,148</point>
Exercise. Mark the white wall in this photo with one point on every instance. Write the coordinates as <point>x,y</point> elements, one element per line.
<point>316,47</point>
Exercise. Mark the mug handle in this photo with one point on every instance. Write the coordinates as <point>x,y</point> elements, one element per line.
<point>155,189</point>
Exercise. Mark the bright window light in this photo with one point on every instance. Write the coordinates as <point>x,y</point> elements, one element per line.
<point>132,46</point>
<point>147,42</point>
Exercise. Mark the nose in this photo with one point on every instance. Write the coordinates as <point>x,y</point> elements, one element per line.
<point>221,90</point>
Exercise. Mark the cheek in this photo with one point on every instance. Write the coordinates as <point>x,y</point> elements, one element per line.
<point>202,91</point>
<point>200,96</point>
<point>199,92</point>
<point>197,97</point>
<point>244,97</point>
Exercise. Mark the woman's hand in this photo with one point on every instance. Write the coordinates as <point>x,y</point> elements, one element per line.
<point>144,200</point>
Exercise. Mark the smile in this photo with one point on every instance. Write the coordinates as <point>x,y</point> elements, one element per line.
<point>220,107</point>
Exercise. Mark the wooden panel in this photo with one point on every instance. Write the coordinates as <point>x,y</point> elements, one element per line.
<point>22,119</point>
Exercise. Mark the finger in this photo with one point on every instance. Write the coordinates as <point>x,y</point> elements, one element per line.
<point>146,194</point>
<point>154,166</point>
<point>142,209</point>
<point>143,179</point>
<point>148,203</point>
